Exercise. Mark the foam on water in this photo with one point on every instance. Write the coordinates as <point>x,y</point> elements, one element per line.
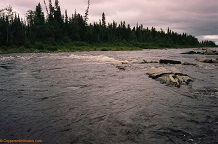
<point>3,58</point>
<point>98,58</point>
<point>8,58</point>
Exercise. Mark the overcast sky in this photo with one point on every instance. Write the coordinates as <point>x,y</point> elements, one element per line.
<point>195,17</point>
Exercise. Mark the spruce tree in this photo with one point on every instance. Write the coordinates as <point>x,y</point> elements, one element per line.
<point>103,20</point>
<point>87,13</point>
<point>39,16</point>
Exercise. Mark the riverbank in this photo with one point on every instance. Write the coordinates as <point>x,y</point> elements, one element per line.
<point>83,46</point>
<point>66,49</point>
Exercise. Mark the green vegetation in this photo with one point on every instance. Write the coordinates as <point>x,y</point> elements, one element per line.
<point>57,32</point>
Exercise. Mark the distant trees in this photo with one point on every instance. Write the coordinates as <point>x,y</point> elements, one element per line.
<point>56,28</point>
<point>208,43</point>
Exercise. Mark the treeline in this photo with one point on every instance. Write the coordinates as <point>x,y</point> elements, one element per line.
<point>55,28</point>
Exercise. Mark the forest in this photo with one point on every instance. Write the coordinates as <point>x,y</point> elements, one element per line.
<point>53,31</point>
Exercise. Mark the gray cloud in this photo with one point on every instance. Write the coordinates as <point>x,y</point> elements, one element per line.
<point>197,17</point>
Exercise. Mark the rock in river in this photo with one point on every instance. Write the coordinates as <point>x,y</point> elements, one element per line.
<point>187,63</point>
<point>209,52</point>
<point>191,52</point>
<point>121,67</point>
<point>169,76</point>
<point>165,61</point>
<point>207,60</point>
<point>144,61</point>
<point>203,52</point>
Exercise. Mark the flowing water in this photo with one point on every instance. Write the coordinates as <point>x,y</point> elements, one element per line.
<point>83,98</point>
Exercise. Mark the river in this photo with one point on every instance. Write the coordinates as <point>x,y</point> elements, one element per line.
<point>83,98</point>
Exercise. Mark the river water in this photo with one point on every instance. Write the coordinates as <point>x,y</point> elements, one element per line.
<point>83,98</point>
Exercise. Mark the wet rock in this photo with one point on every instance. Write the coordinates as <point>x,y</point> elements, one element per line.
<point>121,67</point>
<point>150,61</point>
<point>175,80</point>
<point>169,76</point>
<point>165,61</point>
<point>187,63</point>
<point>45,98</point>
<point>132,62</point>
<point>157,72</point>
<point>208,60</point>
<point>191,52</point>
<point>210,52</point>
<point>139,61</point>
<point>203,52</point>
<point>5,67</point>
<point>125,62</point>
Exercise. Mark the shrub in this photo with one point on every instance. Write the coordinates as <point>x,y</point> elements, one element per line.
<point>52,48</point>
<point>27,44</point>
<point>39,46</point>
<point>104,49</point>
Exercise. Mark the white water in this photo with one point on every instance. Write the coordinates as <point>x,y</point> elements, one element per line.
<point>98,58</point>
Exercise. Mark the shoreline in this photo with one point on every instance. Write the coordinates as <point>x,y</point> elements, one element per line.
<point>60,49</point>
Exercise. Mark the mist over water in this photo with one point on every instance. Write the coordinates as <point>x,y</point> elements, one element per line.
<point>84,98</point>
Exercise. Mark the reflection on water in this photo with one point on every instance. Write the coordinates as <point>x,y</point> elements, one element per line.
<point>83,97</point>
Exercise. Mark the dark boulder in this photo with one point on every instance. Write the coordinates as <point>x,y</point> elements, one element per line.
<point>190,52</point>
<point>165,61</point>
<point>187,63</point>
<point>121,67</point>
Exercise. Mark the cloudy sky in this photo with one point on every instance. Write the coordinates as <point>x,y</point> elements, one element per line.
<point>196,17</point>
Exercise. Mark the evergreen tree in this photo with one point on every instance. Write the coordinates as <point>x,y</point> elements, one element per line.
<point>39,16</point>
<point>51,12</point>
<point>87,13</point>
<point>103,20</point>
<point>57,13</point>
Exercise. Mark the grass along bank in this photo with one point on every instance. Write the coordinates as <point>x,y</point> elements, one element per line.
<point>83,46</point>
